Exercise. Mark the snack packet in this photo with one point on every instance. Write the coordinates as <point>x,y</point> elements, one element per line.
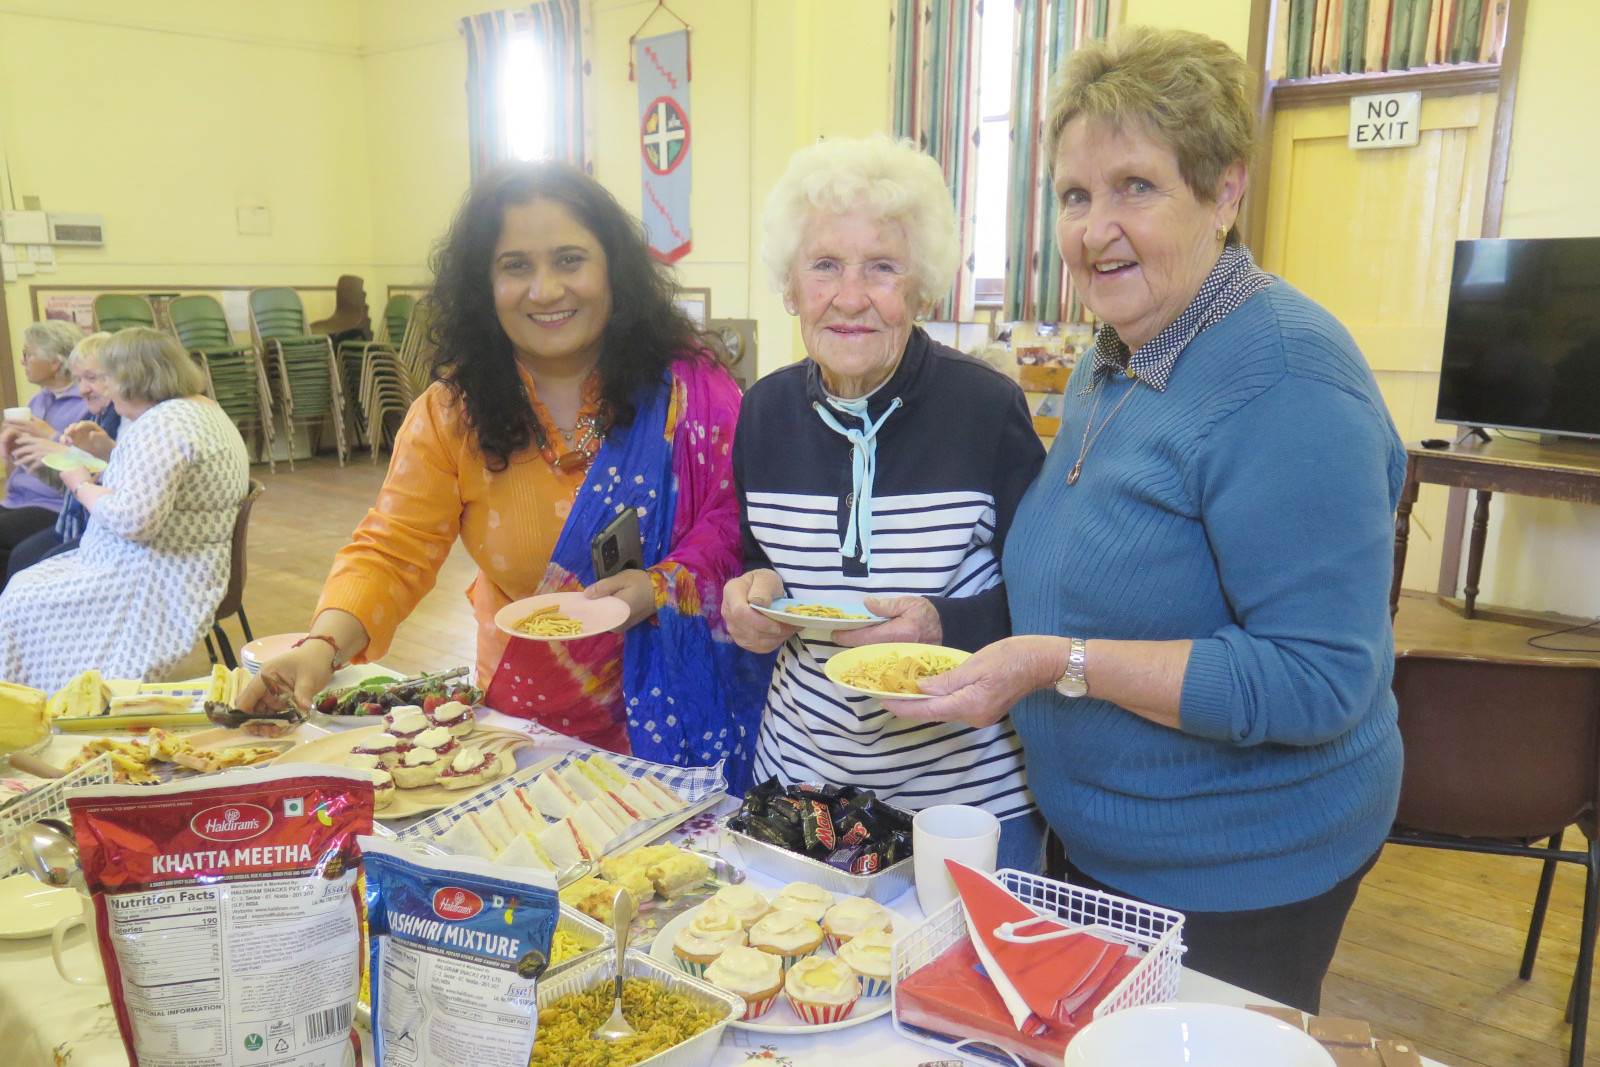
<point>229,915</point>
<point>458,944</point>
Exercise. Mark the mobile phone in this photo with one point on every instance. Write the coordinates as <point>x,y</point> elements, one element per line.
<point>617,547</point>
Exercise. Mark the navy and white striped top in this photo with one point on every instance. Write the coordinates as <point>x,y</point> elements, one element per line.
<point>953,461</point>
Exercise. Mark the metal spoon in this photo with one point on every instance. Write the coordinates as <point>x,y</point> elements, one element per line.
<point>50,854</point>
<point>621,917</point>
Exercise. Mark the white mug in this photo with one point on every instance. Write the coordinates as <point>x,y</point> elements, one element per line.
<point>19,414</point>
<point>950,832</point>
<point>58,936</point>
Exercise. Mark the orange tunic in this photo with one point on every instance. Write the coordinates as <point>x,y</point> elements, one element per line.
<point>438,489</point>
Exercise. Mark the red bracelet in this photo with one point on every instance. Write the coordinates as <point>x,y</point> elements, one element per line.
<point>333,644</point>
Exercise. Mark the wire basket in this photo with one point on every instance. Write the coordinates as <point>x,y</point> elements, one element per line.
<point>1158,932</point>
<point>48,801</point>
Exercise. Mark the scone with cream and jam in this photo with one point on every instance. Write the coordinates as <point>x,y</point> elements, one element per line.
<point>803,898</point>
<point>708,935</point>
<point>750,973</point>
<point>383,790</point>
<point>786,934</point>
<point>470,766</point>
<point>821,989</point>
<point>868,955</point>
<point>853,916</point>
<point>418,767</point>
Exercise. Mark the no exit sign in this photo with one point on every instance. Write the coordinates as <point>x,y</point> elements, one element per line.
<point>1387,120</point>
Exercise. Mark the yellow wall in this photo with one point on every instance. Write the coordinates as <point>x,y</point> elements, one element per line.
<point>162,115</point>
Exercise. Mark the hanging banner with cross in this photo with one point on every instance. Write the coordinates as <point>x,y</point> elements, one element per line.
<point>662,64</point>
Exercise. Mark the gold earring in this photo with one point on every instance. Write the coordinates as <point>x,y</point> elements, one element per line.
<point>1222,234</point>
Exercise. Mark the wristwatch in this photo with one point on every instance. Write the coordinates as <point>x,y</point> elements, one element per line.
<point>1073,681</point>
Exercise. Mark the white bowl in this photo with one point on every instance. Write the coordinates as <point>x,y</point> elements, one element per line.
<point>1193,1035</point>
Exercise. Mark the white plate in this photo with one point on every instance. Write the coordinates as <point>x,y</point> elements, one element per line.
<point>29,908</point>
<point>780,1018</point>
<point>779,612</point>
<point>353,675</point>
<point>840,662</point>
<point>596,616</point>
<point>73,458</point>
<point>1202,1035</point>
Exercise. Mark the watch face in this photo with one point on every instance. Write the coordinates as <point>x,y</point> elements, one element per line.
<point>735,343</point>
<point>1072,687</point>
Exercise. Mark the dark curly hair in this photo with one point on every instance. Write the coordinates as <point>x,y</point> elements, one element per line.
<point>472,353</point>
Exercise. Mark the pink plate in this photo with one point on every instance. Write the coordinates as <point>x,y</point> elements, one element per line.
<point>259,651</point>
<point>597,616</point>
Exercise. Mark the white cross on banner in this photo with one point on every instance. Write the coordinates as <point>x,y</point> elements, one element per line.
<point>664,139</point>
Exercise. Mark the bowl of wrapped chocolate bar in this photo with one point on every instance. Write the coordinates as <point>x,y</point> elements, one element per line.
<point>1193,1035</point>
<point>841,838</point>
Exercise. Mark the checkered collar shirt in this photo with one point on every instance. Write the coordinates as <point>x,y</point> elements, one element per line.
<point>1231,282</point>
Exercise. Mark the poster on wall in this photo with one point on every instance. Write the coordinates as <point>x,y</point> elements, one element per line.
<point>662,63</point>
<point>71,307</point>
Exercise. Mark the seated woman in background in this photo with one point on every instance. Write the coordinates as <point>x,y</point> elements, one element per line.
<point>923,452</point>
<point>140,590</point>
<point>570,387</point>
<point>95,435</point>
<point>31,505</point>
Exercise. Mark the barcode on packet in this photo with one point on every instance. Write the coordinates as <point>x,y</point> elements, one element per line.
<point>321,1024</point>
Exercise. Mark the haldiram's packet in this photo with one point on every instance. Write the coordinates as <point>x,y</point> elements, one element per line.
<point>458,944</point>
<point>229,914</point>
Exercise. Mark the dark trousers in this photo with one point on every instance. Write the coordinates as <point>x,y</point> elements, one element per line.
<point>31,550</point>
<point>18,524</point>
<point>1281,952</point>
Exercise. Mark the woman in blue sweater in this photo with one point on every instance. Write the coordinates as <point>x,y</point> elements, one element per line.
<point>1201,569</point>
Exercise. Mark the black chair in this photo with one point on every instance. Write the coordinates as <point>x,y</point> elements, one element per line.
<point>1502,753</point>
<point>232,602</point>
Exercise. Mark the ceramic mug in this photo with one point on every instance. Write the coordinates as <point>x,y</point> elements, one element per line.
<point>950,832</point>
<point>19,414</point>
<point>58,937</point>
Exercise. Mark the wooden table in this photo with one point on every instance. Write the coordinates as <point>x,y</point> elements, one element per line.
<point>1568,471</point>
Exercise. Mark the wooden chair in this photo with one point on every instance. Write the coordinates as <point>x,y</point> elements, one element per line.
<point>1502,753</point>
<point>232,602</point>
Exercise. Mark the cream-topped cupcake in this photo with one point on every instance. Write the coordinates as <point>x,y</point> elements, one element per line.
<point>868,954</point>
<point>822,989</point>
<point>786,934</point>
<point>743,901</point>
<point>852,916</point>
<point>809,900</point>
<point>698,945</point>
<point>750,973</point>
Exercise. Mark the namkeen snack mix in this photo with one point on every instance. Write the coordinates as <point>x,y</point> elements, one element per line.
<point>458,945</point>
<point>229,914</point>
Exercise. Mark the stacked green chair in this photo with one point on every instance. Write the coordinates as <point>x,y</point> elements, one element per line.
<point>118,311</point>
<point>371,374</point>
<point>234,373</point>
<point>305,381</point>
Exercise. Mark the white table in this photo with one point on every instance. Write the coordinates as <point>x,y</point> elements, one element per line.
<point>45,1021</point>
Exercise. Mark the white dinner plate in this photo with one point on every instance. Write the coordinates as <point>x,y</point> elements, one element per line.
<point>595,616</point>
<point>29,908</point>
<point>841,662</point>
<point>780,1018</point>
<point>781,611</point>
<point>73,458</point>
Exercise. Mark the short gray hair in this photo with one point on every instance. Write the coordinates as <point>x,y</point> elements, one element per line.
<point>893,181</point>
<point>54,338</point>
<point>148,366</point>
<point>87,348</point>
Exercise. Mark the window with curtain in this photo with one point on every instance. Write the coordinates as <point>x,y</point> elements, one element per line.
<point>1316,37</point>
<point>528,91</point>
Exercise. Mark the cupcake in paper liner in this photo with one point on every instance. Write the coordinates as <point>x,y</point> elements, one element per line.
<point>711,932</point>
<point>749,973</point>
<point>805,899</point>
<point>868,955</point>
<point>822,989</point>
<point>786,934</point>
<point>852,916</point>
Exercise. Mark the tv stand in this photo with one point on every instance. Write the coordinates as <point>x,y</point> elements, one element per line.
<point>1568,471</point>
<point>1474,431</point>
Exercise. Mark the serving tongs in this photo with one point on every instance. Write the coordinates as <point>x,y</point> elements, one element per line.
<point>448,675</point>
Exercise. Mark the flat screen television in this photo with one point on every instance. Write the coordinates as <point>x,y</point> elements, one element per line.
<point>1522,336</point>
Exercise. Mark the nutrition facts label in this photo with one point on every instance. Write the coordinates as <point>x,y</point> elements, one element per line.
<point>251,972</point>
<point>441,1011</point>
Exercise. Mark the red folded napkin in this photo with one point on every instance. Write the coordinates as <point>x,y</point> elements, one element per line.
<point>1044,982</point>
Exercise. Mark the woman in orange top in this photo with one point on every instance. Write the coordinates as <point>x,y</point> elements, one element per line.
<point>569,388</point>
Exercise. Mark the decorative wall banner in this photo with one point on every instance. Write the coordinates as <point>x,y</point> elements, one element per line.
<point>662,63</point>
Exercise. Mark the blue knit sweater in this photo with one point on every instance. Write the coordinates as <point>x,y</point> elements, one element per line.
<point>1249,509</point>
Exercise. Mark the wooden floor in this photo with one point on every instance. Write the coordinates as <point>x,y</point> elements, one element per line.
<point>1431,949</point>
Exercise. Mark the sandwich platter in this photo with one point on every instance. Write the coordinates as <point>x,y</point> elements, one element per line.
<point>567,813</point>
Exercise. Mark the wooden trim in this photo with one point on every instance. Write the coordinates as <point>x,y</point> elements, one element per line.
<point>1253,225</point>
<point>1458,79</point>
<point>1504,111</point>
<point>147,290</point>
<point>8,365</point>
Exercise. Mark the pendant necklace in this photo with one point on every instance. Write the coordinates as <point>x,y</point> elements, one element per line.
<point>584,445</point>
<point>1088,441</point>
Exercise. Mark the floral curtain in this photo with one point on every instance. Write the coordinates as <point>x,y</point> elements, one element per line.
<point>935,105</point>
<point>487,36</point>
<point>1037,286</point>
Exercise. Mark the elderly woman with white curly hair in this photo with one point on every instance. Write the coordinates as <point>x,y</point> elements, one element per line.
<point>884,469</point>
<point>32,504</point>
